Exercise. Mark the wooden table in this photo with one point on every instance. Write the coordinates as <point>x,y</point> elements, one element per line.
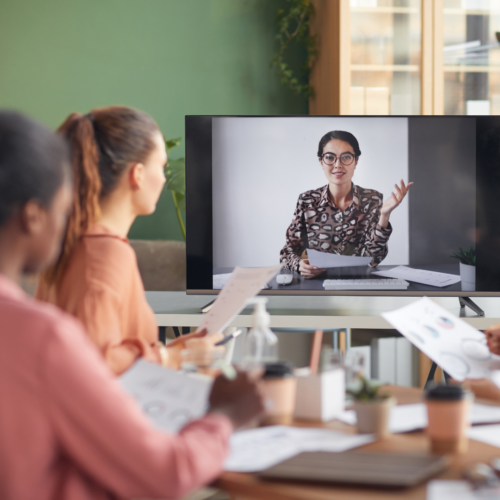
<point>248,487</point>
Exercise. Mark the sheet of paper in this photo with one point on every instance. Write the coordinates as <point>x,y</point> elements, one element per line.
<point>243,284</point>
<point>458,490</point>
<point>258,449</point>
<point>171,399</point>
<point>453,344</point>
<point>489,434</point>
<point>407,418</point>
<point>324,259</point>
<point>220,280</point>
<point>430,278</point>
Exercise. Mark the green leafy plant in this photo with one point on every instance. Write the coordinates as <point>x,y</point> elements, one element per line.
<point>293,27</point>
<point>175,172</point>
<point>363,389</point>
<point>465,257</point>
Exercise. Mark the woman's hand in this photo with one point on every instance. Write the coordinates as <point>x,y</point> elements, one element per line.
<point>392,202</point>
<point>238,399</point>
<point>307,271</point>
<point>493,338</point>
<point>202,342</point>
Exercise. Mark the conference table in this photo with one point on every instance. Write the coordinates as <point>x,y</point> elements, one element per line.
<point>244,486</point>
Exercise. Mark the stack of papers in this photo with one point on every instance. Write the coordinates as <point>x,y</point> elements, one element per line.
<point>430,278</point>
<point>324,260</point>
<point>458,490</point>
<point>258,449</point>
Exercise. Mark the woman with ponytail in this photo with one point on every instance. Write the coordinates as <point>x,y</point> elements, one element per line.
<point>118,157</point>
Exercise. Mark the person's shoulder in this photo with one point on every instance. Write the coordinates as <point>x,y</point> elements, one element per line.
<point>108,249</point>
<point>312,196</point>
<point>369,195</point>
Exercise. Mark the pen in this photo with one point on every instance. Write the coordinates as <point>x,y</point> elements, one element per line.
<point>225,340</point>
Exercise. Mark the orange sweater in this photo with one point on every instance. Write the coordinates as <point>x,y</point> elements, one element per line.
<point>102,287</point>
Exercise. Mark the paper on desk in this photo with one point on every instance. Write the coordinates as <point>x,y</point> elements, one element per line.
<point>489,434</point>
<point>458,490</point>
<point>258,449</point>
<point>407,418</point>
<point>171,399</point>
<point>243,284</point>
<point>453,344</point>
<point>324,260</point>
<point>220,280</point>
<point>430,278</point>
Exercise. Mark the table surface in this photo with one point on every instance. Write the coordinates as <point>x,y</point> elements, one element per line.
<point>326,312</point>
<point>359,273</point>
<point>249,487</point>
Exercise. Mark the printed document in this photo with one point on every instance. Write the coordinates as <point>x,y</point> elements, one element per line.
<point>324,259</point>
<point>258,449</point>
<point>171,399</point>
<point>459,490</point>
<point>242,285</point>
<point>430,278</point>
<point>454,345</point>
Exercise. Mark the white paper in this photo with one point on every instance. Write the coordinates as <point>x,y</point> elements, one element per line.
<point>458,490</point>
<point>489,434</point>
<point>430,278</point>
<point>323,260</point>
<point>453,344</point>
<point>258,449</point>
<point>171,399</point>
<point>243,284</point>
<point>220,280</point>
<point>407,418</point>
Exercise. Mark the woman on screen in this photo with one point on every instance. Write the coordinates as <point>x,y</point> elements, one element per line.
<point>340,217</point>
<point>118,157</point>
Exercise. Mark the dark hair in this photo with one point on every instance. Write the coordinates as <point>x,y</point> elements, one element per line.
<point>342,136</point>
<point>103,143</point>
<point>34,163</point>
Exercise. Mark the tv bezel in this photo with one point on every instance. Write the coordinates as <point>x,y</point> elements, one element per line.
<point>199,233</point>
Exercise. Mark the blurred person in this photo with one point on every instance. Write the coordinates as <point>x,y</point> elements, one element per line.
<point>67,429</point>
<point>341,217</point>
<point>118,157</point>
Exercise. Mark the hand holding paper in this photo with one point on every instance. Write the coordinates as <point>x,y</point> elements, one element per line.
<point>325,260</point>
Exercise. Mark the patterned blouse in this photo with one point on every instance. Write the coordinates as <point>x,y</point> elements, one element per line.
<point>319,224</point>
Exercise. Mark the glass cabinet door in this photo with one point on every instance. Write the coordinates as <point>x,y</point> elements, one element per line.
<point>385,66</point>
<point>471,57</point>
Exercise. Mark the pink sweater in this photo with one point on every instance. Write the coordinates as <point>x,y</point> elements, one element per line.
<point>68,431</point>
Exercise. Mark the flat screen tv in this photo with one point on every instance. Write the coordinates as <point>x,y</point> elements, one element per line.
<point>261,190</point>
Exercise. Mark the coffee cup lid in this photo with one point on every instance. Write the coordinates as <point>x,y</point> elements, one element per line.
<point>278,369</point>
<point>446,393</point>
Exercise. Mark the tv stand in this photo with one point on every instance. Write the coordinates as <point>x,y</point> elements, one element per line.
<point>466,301</point>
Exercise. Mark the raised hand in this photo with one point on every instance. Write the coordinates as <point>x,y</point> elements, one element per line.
<point>396,198</point>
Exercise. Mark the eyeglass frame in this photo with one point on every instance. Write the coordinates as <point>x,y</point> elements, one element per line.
<point>338,158</point>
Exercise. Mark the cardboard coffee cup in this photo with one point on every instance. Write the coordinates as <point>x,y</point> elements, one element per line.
<point>448,418</point>
<point>278,388</point>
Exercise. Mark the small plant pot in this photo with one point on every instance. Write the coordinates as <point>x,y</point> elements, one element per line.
<point>468,277</point>
<point>373,416</point>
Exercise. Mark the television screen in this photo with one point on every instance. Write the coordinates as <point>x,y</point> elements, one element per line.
<point>348,205</point>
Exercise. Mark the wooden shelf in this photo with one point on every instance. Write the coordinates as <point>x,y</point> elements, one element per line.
<point>472,12</point>
<point>412,68</point>
<point>385,10</point>
<point>471,69</point>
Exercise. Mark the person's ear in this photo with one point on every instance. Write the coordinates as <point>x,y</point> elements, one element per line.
<point>136,176</point>
<point>33,217</point>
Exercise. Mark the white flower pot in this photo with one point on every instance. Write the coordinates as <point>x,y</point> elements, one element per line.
<point>468,277</point>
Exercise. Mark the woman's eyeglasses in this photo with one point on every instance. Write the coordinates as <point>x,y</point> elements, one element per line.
<point>345,158</point>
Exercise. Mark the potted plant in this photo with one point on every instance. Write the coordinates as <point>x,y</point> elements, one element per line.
<point>175,172</point>
<point>372,408</point>
<point>467,260</point>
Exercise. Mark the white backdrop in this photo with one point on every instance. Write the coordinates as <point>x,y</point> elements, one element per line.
<point>261,165</point>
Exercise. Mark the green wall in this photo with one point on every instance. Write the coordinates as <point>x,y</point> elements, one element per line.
<point>167,57</point>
